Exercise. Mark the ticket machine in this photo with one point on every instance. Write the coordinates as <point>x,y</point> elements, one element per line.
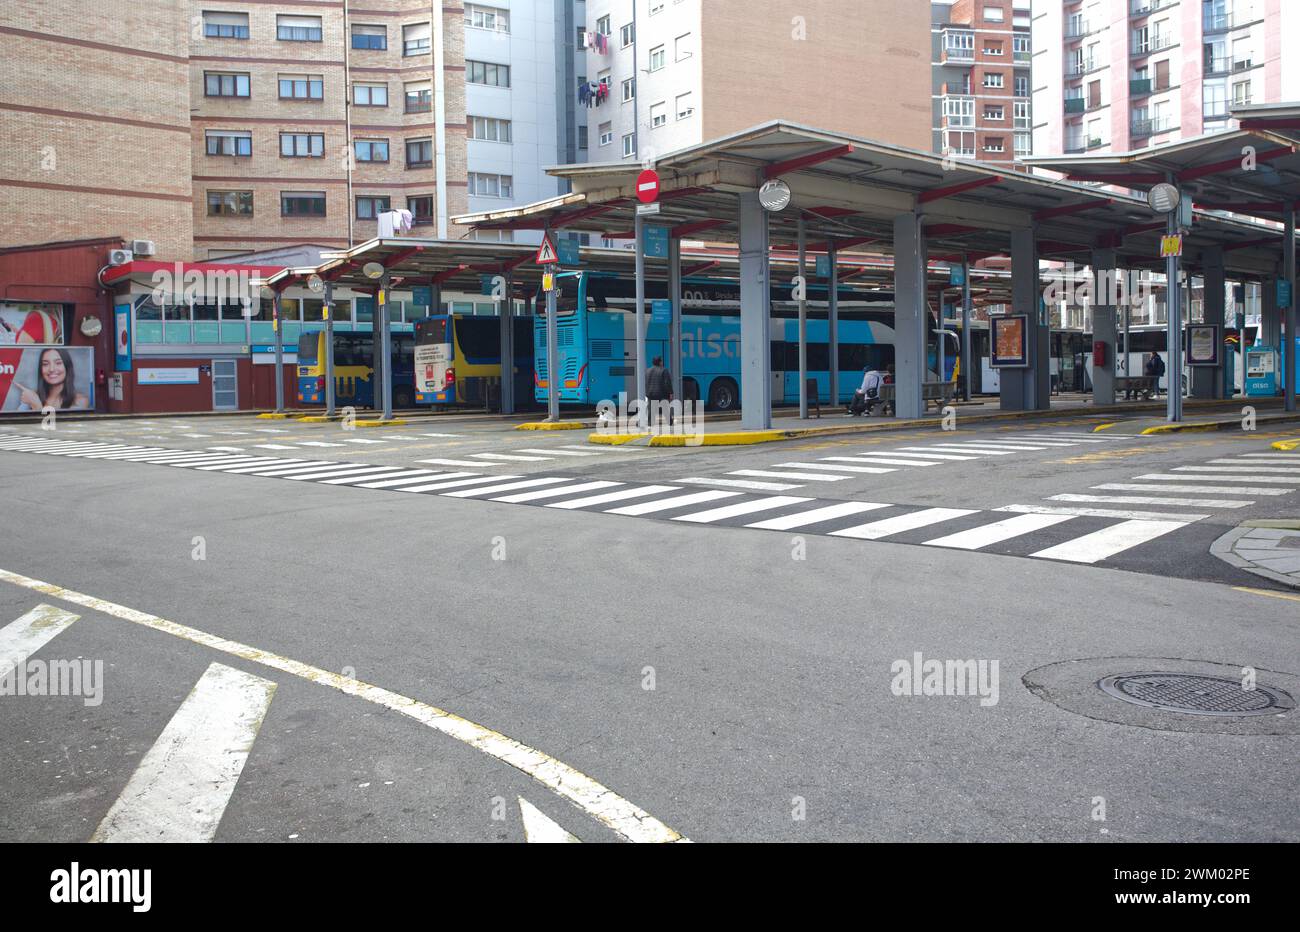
<point>1261,371</point>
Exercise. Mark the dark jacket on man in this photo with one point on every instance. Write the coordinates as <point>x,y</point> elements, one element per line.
<point>658,384</point>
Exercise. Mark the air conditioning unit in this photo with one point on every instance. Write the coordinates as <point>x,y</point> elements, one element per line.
<point>120,256</point>
<point>143,247</point>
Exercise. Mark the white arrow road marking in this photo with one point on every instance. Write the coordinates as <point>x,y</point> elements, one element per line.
<point>600,802</point>
<point>539,828</point>
<point>24,637</point>
<point>182,786</point>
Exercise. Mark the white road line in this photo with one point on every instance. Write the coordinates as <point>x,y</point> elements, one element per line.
<point>938,453</point>
<point>1150,500</point>
<point>138,453</point>
<point>251,461</point>
<point>868,470</point>
<point>437,486</point>
<point>554,452</point>
<point>1293,463</point>
<point>1215,477</point>
<point>1039,441</point>
<point>752,484</point>
<point>360,440</point>
<point>1277,470</point>
<point>967,448</point>
<point>806,476</point>
<point>44,444</point>
<point>184,782</point>
<point>744,508</point>
<point>997,532</point>
<point>1097,546</point>
<point>598,801</point>
<point>400,437</point>
<point>108,451</point>
<point>901,523</point>
<point>85,449</point>
<point>619,496</point>
<point>236,460</point>
<point>316,443</point>
<point>816,516</point>
<point>1227,489</point>
<point>274,446</point>
<point>1283,457</point>
<point>889,461</point>
<point>556,493</point>
<point>286,466</point>
<point>540,828</point>
<point>510,458</point>
<point>393,473</point>
<point>1094,438</point>
<point>507,487</point>
<point>166,459</point>
<point>228,449</point>
<point>341,470</point>
<point>439,435</point>
<point>414,476</point>
<point>201,460</point>
<point>478,463</point>
<point>664,504</point>
<point>196,436</point>
<point>599,451</point>
<point>21,638</point>
<point>1102,513</point>
<point>947,457</point>
<point>1002,445</point>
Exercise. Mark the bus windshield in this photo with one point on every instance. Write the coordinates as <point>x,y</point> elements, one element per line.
<point>308,347</point>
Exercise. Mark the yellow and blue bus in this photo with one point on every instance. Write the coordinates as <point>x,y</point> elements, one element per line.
<point>597,339</point>
<point>354,353</point>
<point>456,355</point>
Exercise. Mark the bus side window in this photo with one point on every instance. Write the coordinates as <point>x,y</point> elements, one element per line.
<point>819,357</point>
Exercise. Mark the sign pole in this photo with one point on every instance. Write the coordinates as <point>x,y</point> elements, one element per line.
<point>639,229</point>
<point>803,318</point>
<point>552,352</point>
<point>1174,335</point>
<point>329,349</point>
<point>1290,345</point>
<point>279,355</point>
<point>968,376</point>
<point>385,385</point>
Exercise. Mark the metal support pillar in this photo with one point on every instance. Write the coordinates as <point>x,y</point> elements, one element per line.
<point>1292,343</point>
<point>1174,333</point>
<point>385,385</point>
<point>279,354</point>
<point>1208,381</point>
<point>910,315</point>
<point>833,324</point>
<point>552,353</point>
<point>638,226</point>
<point>1028,389</point>
<point>755,318</point>
<point>1104,325</point>
<point>506,318</point>
<point>329,349</point>
<point>801,281</point>
<point>675,327</point>
<point>967,372</point>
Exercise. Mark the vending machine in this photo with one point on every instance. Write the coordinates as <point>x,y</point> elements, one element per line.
<point>1261,371</point>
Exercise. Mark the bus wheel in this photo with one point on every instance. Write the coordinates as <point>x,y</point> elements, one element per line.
<point>690,390</point>
<point>402,398</point>
<point>723,395</point>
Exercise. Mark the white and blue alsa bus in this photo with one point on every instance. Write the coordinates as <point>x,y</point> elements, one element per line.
<point>596,324</point>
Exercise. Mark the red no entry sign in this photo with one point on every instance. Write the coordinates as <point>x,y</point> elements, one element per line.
<point>647,186</point>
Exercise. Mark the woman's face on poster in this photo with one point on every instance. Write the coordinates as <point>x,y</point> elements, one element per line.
<point>52,371</point>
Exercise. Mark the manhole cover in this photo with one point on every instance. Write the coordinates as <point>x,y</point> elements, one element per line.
<point>1195,695</point>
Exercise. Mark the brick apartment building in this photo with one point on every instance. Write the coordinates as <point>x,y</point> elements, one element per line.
<point>982,91</point>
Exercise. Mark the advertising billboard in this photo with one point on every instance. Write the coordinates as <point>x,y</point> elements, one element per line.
<point>36,377</point>
<point>31,323</point>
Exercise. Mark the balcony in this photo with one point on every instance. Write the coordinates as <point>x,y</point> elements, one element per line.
<point>1153,44</point>
<point>1147,7</point>
<point>958,46</point>
<point>1151,127</point>
<point>1139,87</point>
<point>1075,105</point>
<point>1214,110</point>
<point>1022,57</point>
<point>1077,29</point>
<point>1095,142</point>
<point>1081,66</point>
<point>1216,66</point>
<point>1244,64</point>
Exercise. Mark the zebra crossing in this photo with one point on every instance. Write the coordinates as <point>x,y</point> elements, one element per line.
<point>787,476</point>
<point>1064,528</point>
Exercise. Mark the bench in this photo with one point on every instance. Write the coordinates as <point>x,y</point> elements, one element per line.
<point>933,394</point>
<point>1144,385</point>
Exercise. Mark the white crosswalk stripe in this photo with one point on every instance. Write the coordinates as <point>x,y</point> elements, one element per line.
<point>506,487</point>
<point>744,508</point>
<point>1150,500</point>
<point>1223,489</point>
<point>942,457</point>
<point>611,497</point>
<point>455,483</point>
<point>1214,477</point>
<point>886,461</point>
<point>21,638</point>
<point>900,523</point>
<point>752,484</point>
<point>1100,545</point>
<point>816,516</point>
<point>1102,513</point>
<point>413,477</point>
<point>805,476</point>
<point>445,462</point>
<point>1274,470</point>
<point>555,493</point>
<point>666,504</point>
<point>997,532</point>
<point>510,457</point>
<point>868,470</point>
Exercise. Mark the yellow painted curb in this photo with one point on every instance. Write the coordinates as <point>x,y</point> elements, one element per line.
<point>320,419</point>
<point>392,422</point>
<point>731,439</point>
<point>552,425</point>
<point>1287,445</point>
<point>1181,428</point>
<point>1104,426</point>
<point>274,416</point>
<point>613,440</point>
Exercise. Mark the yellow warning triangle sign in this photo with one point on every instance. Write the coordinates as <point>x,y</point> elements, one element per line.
<point>546,252</point>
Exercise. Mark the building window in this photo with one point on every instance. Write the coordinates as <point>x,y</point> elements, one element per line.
<point>602,26</point>
<point>481,72</point>
<point>230,203</point>
<point>659,114</point>
<point>629,89</point>
<point>683,47</point>
<point>419,153</point>
<point>374,38</point>
<point>629,145</point>
<point>582,138</point>
<point>298,28</point>
<point>657,57</point>
<point>606,136</point>
<point>1241,94</point>
<point>371,150</point>
<point>419,97</point>
<point>1020,47</point>
<point>995,144</point>
<point>992,48</point>
<point>421,208</point>
<point>959,111</point>
<point>488,185</point>
<point>627,35</point>
<point>685,106</point>
<point>302,203</point>
<point>302,145</point>
<point>236,144</point>
<point>302,87</point>
<point>1024,144</point>
<point>489,129</point>
<point>992,14</point>
<point>416,39</point>
<point>1020,112</point>
<point>1022,85</point>
<point>217,84</point>
<point>369,207</point>
<point>995,113</point>
<point>225,25</point>
<point>370,95</point>
<point>993,79</point>
<point>487,17</point>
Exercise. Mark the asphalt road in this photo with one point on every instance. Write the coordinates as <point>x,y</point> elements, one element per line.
<point>670,677</point>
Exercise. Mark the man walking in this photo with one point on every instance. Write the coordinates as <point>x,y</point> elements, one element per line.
<point>659,391</point>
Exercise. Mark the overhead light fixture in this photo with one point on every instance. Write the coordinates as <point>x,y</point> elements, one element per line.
<point>372,270</point>
<point>774,195</point>
<point>316,283</point>
<point>1164,198</point>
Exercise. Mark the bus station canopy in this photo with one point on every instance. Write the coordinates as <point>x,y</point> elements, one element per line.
<point>849,190</point>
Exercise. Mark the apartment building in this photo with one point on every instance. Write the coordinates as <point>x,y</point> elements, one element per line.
<point>664,74</point>
<point>96,125</point>
<point>981,90</point>
<point>1118,75</point>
